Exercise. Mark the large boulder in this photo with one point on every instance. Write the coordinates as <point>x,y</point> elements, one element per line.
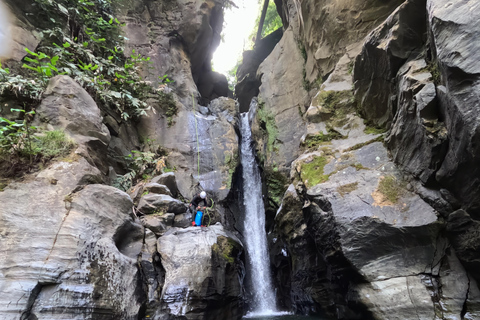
<point>160,203</point>
<point>203,273</point>
<point>70,251</point>
<point>67,106</point>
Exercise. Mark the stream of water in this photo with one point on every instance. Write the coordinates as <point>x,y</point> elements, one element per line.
<point>255,235</point>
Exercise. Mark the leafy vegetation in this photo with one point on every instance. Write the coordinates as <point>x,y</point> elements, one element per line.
<point>91,52</point>
<point>272,21</point>
<point>22,147</point>
<point>141,165</point>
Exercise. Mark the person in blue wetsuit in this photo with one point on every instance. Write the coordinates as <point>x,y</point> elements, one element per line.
<point>197,206</point>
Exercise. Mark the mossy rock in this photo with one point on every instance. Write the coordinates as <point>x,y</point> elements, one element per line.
<point>277,184</point>
<point>226,248</point>
<point>312,172</point>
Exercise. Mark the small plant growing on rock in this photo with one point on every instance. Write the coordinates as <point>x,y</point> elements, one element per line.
<point>391,188</point>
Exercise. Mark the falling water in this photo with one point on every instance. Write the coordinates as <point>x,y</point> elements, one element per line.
<point>255,234</point>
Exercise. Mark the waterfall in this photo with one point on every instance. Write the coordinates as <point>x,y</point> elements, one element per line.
<point>255,234</point>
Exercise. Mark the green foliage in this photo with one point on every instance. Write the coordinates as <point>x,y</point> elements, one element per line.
<point>21,147</point>
<point>272,20</point>
<point>53,144</point>
<point>271,23</point>
<point>312,172</point>
<point>391,188</point>
<point>16,136</point>
<point>91,52</point>
<point>268,126</point>
<point>141,165</point>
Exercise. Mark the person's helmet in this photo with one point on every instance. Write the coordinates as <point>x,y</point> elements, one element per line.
<point>203,194</point>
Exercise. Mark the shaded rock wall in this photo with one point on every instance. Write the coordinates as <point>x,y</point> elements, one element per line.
<point>339,245</point>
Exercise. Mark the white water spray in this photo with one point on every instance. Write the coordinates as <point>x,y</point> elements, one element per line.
<point>255,234</point>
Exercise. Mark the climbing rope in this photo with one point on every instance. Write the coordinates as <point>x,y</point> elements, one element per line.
<point>196,132</point>
<point>207,213</point>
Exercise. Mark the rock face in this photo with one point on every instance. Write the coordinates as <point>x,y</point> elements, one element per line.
<point>360,232</point>
<point>203,276</point>
<point>342,23</point>
<point>281,97</point>
<point>75,244</point>
<point>206,137</point>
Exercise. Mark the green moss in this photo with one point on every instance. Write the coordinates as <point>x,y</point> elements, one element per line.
<point>321,138</point>
<point>231,162</point>
<point>331,99</point>
<point>374,130</point>
<point>347,188</point>
<point>359,166</point>
<point>361,145</point>
<point>225,248</point>
<point>312,172</point>
<point>268,126</point>
<point>277,184</point>
<point>391,188</point>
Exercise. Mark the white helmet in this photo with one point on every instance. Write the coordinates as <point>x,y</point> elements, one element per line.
<point>203,194</point>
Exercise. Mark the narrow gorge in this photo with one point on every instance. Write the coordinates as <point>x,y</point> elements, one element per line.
<point>343,171</point>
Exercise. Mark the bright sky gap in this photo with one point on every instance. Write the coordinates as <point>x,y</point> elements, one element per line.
<point>238,25</point>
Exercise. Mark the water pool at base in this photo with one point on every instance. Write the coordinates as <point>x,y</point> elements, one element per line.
<point>280,316</point>
<point>289,317</point>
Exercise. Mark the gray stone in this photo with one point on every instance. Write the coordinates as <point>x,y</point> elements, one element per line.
<point>465,236</point>
<point>167,179</point>
<point>283,96</point>
<point>160,203</point>
<point>72,248</point>
<point>156,188</point>
<point>67,106</point>
<point>382,55</point>
<point>211,138</point>
<point>344,23</point>
<point>203,273</point>
<point>158,223</point>
<point>418,138</point>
